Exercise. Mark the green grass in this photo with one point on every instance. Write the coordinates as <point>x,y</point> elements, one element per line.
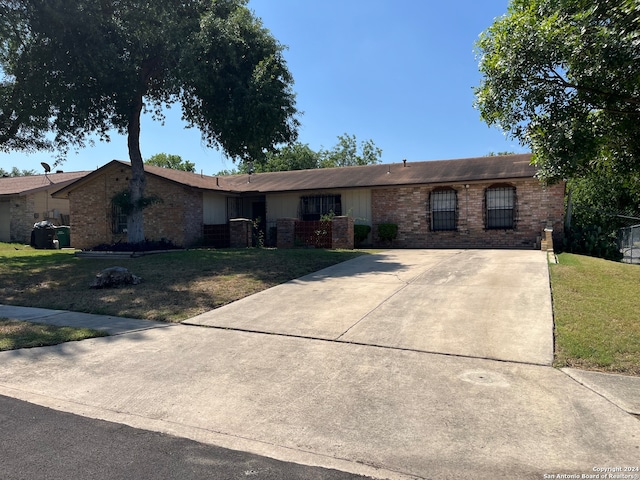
<point>16,334</point>
<point>596,306</point>
<point>175,286</point>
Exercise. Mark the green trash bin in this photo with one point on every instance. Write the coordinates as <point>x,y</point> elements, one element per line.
<point>64,236</point>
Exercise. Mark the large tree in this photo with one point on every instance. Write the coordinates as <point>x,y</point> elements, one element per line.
<point>16,172</point>
<point>347,153</point>
<point>77,68</point>
<point>563,77</point>
<point>298,156</point>
<point>174,162</point>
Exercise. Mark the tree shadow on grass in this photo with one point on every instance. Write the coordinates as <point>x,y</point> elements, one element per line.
<point>175,286</point>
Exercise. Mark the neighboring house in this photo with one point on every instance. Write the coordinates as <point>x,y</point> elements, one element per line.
<point>477,202</point>
<point>26,200</point>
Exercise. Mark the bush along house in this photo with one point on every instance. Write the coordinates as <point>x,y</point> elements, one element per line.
<point>484,202</point>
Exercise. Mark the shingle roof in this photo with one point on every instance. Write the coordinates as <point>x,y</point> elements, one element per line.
<point>429,172</point>
<point>33,183</point>
<point>413,173</point>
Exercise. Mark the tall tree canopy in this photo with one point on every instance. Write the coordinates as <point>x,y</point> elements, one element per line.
<point>298,156</point>
<point>563,77</point>
<point>16,172</point>
<point>77,68</point>
<point>347,153</point>
<point>174,162</point>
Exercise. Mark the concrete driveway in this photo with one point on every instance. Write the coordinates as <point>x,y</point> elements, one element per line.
<point>343,369</point>
<point>479,303</point>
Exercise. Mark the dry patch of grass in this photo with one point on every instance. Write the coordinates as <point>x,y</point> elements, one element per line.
<point>16,334</point>
<point>596,306</point>
<point>175,286</point>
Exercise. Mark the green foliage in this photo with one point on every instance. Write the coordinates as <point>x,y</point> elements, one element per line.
<point>78,68</point>
<point>360,233</point>
<point>16,172</point>
<point>347,154</point>
<point>598,198</point>
<point>599,206</point>
<point>171,161</point>
<point>593,241</point>
<point>387,232</point>
<point>563,78</point>
<point>296,156</point>
<point>498,154</point>
<point>327,217</point>
<point>299,156</point>
<point>224,172</point>
<point>127,205</point>
<point>257,233</point>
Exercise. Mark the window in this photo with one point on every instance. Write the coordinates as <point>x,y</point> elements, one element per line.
<point>118,220</point>
<point>443,210</point>
<point>312,207</point>
<point>500,207</point>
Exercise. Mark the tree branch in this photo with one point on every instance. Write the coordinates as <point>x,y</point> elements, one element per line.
<point>608,96</point>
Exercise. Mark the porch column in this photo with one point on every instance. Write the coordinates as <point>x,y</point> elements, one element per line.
<point>239,233</point>
<point>342,235</point>
<point>286,232</point>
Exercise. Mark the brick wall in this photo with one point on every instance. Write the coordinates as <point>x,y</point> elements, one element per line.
<point>408,207</point>
<point>286,228</point>
<point>240,233</point>
<point>177,218</point>
<point>22,218</point>
<point>342,233</point>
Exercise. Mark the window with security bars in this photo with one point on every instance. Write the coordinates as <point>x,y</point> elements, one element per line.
<point>118,220</point>
<point>312,207</point>
<point>500,203</point>
<point>443,210</point>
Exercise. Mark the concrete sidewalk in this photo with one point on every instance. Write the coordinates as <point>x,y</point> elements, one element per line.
<point>107,323</point>
<point>347,395</point>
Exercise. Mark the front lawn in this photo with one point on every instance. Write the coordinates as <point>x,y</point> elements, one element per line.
<point>175,286</point>
<point>596,306</point>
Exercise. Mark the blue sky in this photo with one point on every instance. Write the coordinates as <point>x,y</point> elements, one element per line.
<point>399,72</point>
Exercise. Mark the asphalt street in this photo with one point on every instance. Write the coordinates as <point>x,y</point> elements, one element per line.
<point>42,443</point>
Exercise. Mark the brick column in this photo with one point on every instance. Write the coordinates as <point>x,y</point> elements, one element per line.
<point>286,232</point>
<point>547,241</point>
<point>342,235</point>
<point>239,233</point>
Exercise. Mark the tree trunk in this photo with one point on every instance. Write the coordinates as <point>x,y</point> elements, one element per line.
<point>137,183</point>
<point>567,219</point>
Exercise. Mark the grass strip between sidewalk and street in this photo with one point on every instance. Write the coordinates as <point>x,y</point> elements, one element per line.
<point>16,334</point>
<point>596,306</point>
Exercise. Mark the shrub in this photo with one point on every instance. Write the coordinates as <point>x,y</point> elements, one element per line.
<point>146,246</point>
<point>360,233</point>
<point>387,232</point>
<point>592,241</point>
